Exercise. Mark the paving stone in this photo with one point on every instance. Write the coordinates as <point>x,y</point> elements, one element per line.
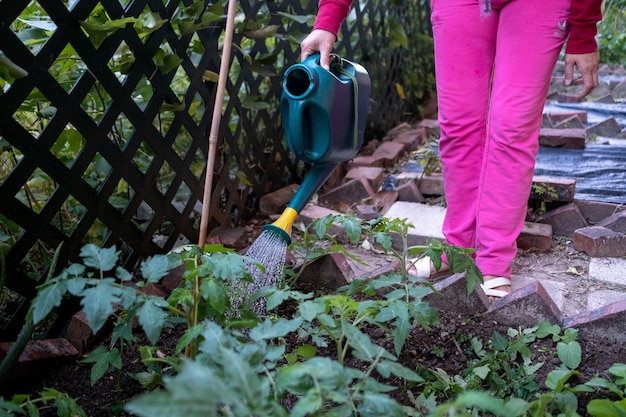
<point>275,202</point>
<point>599,241</point>
<point>607,127</point>
<point>565,220</point>
<point>556,117</point>
<point>595,211</point>
<point>525,307</point>
<point>374,175</point>
<point>411,140</point>
<point>600,298</point>
<point>605,323</point>
<point>615,222</point>
<point>562,138</point>
<point>351,192</point>
<point>330,271</point>
<point>409,191</point>
<point>388,154</point>
<point>535,236</point>
<point>572,122</point>
<point>612,270</point>
<point>38,355</point>
<point>553,189</point>
<point>452,296</point>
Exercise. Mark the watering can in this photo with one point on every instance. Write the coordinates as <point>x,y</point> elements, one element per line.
<point>324,113</point>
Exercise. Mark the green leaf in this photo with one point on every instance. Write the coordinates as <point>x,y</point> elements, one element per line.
<point>546,329</point>
<point>557,378</point>
<point>481,371</point>
<point>606,408</point>
<point>13,70</point>
<point>386,368</point>
<point>152,316</point>
<point>569,353</point>
<point>155,268</point>
<point>363,347</point>
<point>103,259</point>
<point>48,298</point>
<point>98,302</point>
<point>269,329</point>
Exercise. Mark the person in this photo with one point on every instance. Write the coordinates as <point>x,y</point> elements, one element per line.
<point>494,61</point>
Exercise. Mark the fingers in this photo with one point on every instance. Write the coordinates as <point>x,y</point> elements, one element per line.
<point>587,65</point>
<point>320,41</point>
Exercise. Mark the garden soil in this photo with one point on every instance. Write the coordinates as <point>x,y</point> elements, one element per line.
<point>445,346</point>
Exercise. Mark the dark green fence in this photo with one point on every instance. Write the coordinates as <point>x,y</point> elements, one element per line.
<point>105,112</point>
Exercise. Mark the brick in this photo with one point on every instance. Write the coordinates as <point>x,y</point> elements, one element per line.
<point>565,220</point>
<point>374,175</point>
<point>352,192</point>
<point>572,122</point>
<point>606,99</point>
<point>431,126</point>
<point>563,188</point>
<point>607,127</point>
<point>388,154</point>
<point>535,236</point>
<point>311,212</point>
<point>600,92</point>
<point>525,307</point>
<point>411,140</point>
<point>409,191</point>
<point>607,322</point>
<point>619,91</point>
<point>615,222</point>
<point>330,271</point>
<point>599,241</point>
<point>384,200</point>
<point>451,295</point>
<point>397,131</point>
<point>36,358</point>
<point>173,278</point>
<point>365,161</point>
<point>275,202</point>
<point>563,138</point>
<point>595,211</point>
<point>79,333</point>
<point>431,184</point>
<point>367,211</point>
<point>556,117</point>
<point>231,237</point>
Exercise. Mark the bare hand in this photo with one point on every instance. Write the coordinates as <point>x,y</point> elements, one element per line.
<point>587,65</point>
<point>321,41</point>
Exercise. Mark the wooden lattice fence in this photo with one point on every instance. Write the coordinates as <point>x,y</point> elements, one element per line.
<point>104,121</point>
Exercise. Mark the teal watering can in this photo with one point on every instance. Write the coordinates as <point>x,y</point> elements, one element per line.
<point>324,113</point>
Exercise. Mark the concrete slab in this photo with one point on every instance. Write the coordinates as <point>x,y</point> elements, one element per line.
<point>611,270</point>
<point>426,220</point>
<point>601,298</point>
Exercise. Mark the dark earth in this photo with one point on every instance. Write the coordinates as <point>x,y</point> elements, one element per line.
<point>445,346</point>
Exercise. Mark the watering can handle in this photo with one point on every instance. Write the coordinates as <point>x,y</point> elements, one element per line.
<point>336,63</point>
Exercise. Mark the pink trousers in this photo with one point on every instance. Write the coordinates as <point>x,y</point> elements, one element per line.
<point>493,73</point>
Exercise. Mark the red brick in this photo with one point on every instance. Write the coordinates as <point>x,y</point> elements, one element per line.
<point>412,139</point>
<point>311,212</point>
<point>607,127</point>
<point>556,117</point>
<point>275,202</point>
<point>351,192</point>
<point>535,236</point>
<point>385,199</point>
<point>595,211</point>
<point>607,322</point>
<point>431,126</point>
<point>372,174</point>
<point>388,154</point>
<point>599,241</point>
<point>565,220</point>
<point>409,191</point>
<point>564,188</point>
<point>572,122</point>
<point>329,272</point>
<point>79,333</point>
<point>367,211</point>
<point>231,237</point>
<point>525,307</point>
<point>431,184</point>
<point>615,222</point>
<point>455,288</point>
<point>564,138</point>
<point>365,161</point>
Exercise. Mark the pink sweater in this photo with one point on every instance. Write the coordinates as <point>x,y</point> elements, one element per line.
<point>584,16</point>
